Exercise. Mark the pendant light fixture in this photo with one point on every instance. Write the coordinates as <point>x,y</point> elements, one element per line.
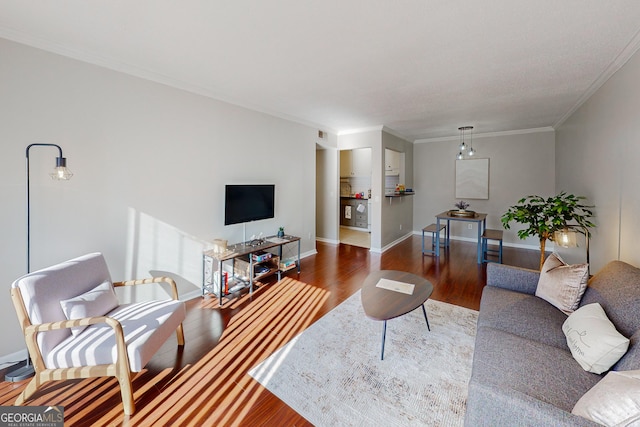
<point>465,150</point>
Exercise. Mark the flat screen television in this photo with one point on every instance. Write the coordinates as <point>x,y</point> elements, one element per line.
<point>245,203</point>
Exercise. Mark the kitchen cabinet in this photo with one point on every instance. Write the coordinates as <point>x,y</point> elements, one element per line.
<point>355,162</point>
<point>391,162</point>
<point>345,163</point>
<point>347,213</point>
<point>361,162</point>
<point>354,212</point>
<point>362,217</point>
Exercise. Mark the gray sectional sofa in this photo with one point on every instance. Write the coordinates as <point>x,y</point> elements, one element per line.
<point>523,371</point>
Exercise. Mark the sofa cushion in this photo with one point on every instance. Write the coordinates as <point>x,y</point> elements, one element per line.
<point>96,302</point>
<point>617,289</point>
<point>517,365</point>
<point>524,315</point>
<point>491,406</point>
<point>614,401</point>
<point>631,359</point>
<point>562,284</point>
<point>593,339</point>
<point>513,278</point>
<point>146,326</point>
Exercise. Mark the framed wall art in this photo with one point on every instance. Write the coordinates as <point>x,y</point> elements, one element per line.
<point>472,179</point>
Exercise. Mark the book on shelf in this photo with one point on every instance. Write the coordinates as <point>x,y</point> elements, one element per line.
<point>261,256</point>
<point>217,286</point>
<point>287,264</point>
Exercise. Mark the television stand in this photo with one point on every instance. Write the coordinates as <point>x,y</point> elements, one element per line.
<point>249,265</point>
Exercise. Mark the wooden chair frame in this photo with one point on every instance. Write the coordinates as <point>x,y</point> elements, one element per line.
<point>120,369</point>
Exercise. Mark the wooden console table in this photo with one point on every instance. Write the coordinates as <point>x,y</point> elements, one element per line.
<point>244,250</point>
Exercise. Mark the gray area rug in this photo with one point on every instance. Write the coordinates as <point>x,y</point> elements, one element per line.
<point>333,376</point>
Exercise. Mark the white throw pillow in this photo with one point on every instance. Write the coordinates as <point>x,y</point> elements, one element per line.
<point>96,302</point>
<point>614,401</point>
<point>561,284</point>
<point>593,340</point>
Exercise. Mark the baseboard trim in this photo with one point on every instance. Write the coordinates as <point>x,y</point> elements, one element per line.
<point>392,244</point>
<point>191,295</point>
<point>308,253</point>
<point>13,358</point>
<point>329,241</point>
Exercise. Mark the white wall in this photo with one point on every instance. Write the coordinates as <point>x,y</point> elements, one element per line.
<point>327,191</point>
<point>520,164</point>
<point>397,212</point>
<point>150,164</point>
<point>598,152</point>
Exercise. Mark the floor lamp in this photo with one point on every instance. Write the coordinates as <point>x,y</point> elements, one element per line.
<point>60,173</point>
<point>567,239</point>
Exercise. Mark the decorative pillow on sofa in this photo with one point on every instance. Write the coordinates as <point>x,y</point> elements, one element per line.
<point>561,284</point>
<point>96,302</point>
<point>614,401</point>
<point>593,340</point>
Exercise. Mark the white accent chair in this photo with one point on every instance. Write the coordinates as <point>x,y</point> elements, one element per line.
<point>74,326</point>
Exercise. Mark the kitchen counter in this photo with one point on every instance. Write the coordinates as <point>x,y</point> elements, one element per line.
<point>354,197</point>
<point>398,194</point>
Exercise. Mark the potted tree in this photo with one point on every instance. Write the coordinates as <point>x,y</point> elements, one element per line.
<point>546,216</point>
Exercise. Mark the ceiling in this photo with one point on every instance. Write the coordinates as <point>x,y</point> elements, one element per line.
<point>421,68</point>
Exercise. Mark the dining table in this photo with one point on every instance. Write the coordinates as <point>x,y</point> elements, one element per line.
<point>467,216</point>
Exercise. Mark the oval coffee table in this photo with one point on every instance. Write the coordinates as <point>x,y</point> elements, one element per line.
<point>387,294</point>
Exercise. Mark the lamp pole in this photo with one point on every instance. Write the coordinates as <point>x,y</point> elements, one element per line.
<point>586,239</point>
<point>59,173</point>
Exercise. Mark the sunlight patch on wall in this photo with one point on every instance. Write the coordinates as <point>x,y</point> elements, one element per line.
<point>155,248</point>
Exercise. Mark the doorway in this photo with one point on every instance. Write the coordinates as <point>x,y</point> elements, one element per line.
<point>355,191</point>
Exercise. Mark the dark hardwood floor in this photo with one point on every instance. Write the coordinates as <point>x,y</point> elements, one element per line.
<point>206,383</point>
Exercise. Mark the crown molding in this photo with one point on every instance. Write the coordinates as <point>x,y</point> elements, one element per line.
<point>618,62</point>
<point>396,134</point>
<point>361,130</point>
<point>488,134</point>
<point>122,67</point>
<point>377,128</point>
<point>115,65</point>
